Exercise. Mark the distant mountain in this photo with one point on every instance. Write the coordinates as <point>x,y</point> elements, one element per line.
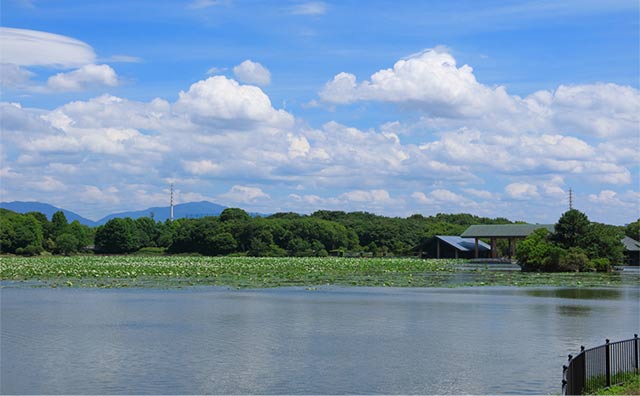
<point>46,209</point>
<point>161,213</point>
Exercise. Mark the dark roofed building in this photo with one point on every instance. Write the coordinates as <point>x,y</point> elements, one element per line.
<point>448,246</point>
<point>631,251</point>
<point>512,232</point>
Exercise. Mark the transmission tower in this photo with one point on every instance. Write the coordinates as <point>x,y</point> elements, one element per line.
<point>171,205</point>
<point>570,198</point>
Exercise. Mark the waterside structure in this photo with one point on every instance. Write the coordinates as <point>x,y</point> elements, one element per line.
<point>493,232</point>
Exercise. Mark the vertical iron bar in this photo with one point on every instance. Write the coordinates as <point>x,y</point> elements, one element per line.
<point>584,368</point>
<point>608,362</point>
<point>636,355</point>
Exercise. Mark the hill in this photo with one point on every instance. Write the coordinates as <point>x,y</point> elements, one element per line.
<point>46,209</point>
<point>161,213</point>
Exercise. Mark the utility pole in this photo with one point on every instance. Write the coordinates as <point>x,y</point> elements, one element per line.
<point>171,205</point>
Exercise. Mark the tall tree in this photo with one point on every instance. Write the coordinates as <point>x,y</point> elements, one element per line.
<point>117,236</point>
<point>571,229</point>
<point>58,224</point>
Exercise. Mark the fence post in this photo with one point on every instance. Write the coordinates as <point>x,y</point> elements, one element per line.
<point>584,368</point>
<point>636,355</point>
<point>608,361</point>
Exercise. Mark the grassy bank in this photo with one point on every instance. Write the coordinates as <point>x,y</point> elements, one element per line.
<point>253,272</point>
<point>631,387</point>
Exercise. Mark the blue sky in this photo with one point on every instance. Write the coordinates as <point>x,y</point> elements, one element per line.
<point>495,108</point>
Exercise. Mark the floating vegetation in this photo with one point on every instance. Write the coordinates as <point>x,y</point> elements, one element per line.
<point>265,272</point>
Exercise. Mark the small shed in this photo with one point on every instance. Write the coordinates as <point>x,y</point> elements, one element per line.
<point>631,251</point>
<point>493,232</point>
<point>450,246</point>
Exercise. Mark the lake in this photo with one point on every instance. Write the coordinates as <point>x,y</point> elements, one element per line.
<point>329,340</point>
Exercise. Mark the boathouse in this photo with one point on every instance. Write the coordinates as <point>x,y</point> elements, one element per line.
<point>493,232</point>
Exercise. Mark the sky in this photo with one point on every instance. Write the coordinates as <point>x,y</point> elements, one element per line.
<point>495,108</point>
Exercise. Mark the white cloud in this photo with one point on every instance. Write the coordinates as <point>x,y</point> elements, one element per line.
<point>245,194</point>
<point>451,97</point>
<point>430,80</point>
<point>603,110</point>
<point>13,76</point>
<point>80,79</point>
<point>24,47</point>
<point>219,98</point>
<point>202,167</point>
<point>522,191</point>
<point>252,73</point>
<point>309,8</point>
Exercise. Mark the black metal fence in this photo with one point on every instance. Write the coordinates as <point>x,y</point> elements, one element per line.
<point>605,365</point>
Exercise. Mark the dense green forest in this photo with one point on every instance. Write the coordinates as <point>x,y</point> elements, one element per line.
<point>235,232</point>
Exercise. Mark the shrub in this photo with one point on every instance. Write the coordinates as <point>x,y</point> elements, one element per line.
<point>601,264</point>
<point>575,260</point>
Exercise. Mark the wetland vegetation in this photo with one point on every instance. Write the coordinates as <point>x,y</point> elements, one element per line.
<point>266,272</point>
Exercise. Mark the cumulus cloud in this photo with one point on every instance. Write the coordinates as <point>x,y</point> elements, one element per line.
<point>24,47</point>
<point>220,98</point>
<point>226,141</point>
<point>79,79</point>
<point>451,97</point>
<point>252,73</point>
<point>430,80</point>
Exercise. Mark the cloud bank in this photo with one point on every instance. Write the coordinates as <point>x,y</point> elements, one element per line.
<point>474,148</point>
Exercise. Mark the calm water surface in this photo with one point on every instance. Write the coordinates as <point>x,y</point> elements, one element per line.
<point>297,341</point>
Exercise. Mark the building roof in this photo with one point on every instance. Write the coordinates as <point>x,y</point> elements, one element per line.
<point>630,244</point>
<point>503,230</point>
<point>463,244</point>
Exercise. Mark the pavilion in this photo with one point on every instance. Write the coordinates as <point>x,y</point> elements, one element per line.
<point>493,232</point>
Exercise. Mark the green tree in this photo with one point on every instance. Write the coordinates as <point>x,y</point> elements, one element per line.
<point>223,243</point>
<point>632,230</point>
<point>117,236</point>
<point>532,252</point>
<point>571,229</point>
<point>58,224</point>
<point>234,214</point>
<point>604,241</point>
<point>67,243</point>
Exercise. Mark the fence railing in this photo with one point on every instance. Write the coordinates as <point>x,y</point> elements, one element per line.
<point>605,365</point>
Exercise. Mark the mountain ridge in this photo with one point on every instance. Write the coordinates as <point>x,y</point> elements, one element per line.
<point>160,213</point>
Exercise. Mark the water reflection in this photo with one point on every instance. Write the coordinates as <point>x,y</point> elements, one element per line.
<point>573,310</point>
<point>577,293</point>
<point>294,341</point>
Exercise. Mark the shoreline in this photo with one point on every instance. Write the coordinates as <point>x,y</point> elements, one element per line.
<point>270,272</point>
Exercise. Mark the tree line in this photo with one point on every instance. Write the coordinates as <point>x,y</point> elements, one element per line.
<point>321,233</point>
<point>233,232</point>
